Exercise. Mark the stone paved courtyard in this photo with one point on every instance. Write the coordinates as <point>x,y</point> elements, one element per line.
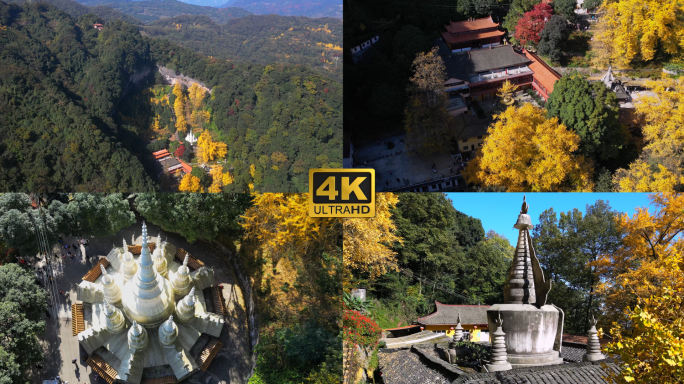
<point>232,364</point>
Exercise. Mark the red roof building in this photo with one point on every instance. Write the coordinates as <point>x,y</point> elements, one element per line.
<point>98,26</point>
<point>472,34</point>
<point>544,76</point>
<point>186,167</point>
<point>161,154</point>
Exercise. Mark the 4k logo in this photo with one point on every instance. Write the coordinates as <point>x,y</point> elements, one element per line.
<point>342,192</point>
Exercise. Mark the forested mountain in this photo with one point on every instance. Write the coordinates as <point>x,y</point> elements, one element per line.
<point>75,9</point>
<point>316,43</point>
<point>320,8</point>
<point>151,10</point>
<point>76,111</point>
<point>58,87</point>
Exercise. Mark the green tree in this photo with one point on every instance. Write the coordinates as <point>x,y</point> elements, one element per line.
<point>195,215</point>
<point>592,4</point>
<point>95,214</point>
<point>554,34</point>
<point>485,269</point>
<point>565,246</point>
<point>566,8</point>
<point>22,303</point>
<point>591,110</point>
<point>408,42</point>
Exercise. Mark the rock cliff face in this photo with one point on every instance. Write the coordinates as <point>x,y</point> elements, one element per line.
<point>170,77</point>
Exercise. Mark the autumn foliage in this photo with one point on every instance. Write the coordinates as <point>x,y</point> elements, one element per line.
<point>179,108</point>
<point>368,241</point>
<point>659,168</point>
<point>635,29</point>
<point>643,289</point>
<point>526,151</point>
<point>190,183</point>
<point>529,27</point>
<point>208,150</point>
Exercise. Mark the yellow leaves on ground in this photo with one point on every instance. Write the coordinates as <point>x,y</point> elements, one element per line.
<point>635,29</point>
<point>525,151</point>
<point>179,108</point>
<point>208,150</point>
<point>368,241</point>
<point>190,183</point>
<point>664,138</point>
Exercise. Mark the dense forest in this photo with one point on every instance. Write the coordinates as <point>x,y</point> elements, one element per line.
<point>76,10</point>
<point>321,8</point>
<point>151,10</point>
<point>316,43</point>
<point>277,121</point>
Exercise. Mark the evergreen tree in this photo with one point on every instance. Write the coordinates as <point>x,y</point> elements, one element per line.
<point>554,34</point>
<point>591,110</point>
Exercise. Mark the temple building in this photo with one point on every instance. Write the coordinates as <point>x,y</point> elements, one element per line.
<point>478,75</point>
<point>473,318</point>
<point>140,317</point>
<point>472,34</point>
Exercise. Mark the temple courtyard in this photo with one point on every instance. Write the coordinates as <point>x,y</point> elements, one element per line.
<point>211,339</point>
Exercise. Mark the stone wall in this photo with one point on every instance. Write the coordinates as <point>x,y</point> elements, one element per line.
<point>170,77</point>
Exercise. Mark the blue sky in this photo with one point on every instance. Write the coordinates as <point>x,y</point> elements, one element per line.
<point>499,211</point>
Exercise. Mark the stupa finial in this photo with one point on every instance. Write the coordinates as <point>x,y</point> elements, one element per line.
<point>136,328</point>
<point>185,261</point>
<point>525,206</point>
<point>104,271</point>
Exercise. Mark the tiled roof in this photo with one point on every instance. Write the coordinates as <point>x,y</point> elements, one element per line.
<point>573,353</point>
<point>464,26</point>
<point>498,57</point>
<point>572,373</point>
<point>544,74</point>
<point>580,339</point>
<point>453,39</point>
<point>473,130</point>
<point>402,366</point>
<point>447,314</point>
<point>416,366</point>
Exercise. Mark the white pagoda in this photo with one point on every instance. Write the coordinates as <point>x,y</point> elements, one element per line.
<point>157,301</point>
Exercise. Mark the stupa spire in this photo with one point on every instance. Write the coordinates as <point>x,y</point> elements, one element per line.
<point>526,283</point>
<point>137,337</point>
<point>185,309</point>
<point>114,318</point>
<point>111,290</point>
<point>147,271</point>
<point>181,279</point>
<point>593,344</point>
<point>168,332</point>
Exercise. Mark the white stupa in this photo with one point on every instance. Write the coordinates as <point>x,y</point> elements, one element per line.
<point>148,297</point>
<point>162,317</point>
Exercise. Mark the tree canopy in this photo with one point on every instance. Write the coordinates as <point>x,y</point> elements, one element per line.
<point>526,151</point>
<point>22,303</point>
<point>530,25</point>
<point>659,167</point>
<point>552,37</point>
<point>591,111</point>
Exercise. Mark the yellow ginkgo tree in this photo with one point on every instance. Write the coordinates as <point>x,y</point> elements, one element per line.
<point>208,150</point>
<point>664,137</point>
<point>368,241</point>
<point>636,29</point>
<point>526,151</point>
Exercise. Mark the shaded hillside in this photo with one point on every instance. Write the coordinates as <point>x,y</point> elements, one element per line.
<point>316,43</point>
<point>75,9</point>
<point>59,85</point>
<point>309,8</point>
<point>149,11</point>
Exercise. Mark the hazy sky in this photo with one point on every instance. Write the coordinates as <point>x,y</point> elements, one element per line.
<point>499,211</point>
